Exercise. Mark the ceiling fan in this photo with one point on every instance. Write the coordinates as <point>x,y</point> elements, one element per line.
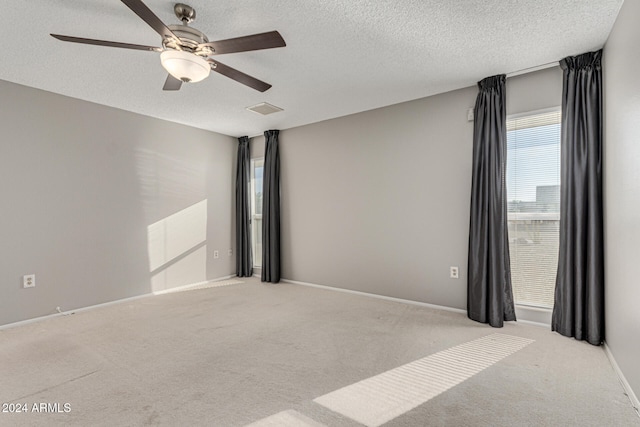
<point>185,51</point>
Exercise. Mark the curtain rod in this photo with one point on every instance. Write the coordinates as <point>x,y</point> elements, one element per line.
<point>532,69</point>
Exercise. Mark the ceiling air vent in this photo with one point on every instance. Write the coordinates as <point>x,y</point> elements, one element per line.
<point>264,108</point>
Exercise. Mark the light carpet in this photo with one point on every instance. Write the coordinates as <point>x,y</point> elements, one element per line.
<point>236,355</point>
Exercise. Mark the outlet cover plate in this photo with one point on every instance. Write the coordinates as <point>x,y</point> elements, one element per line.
<point>29,281</point>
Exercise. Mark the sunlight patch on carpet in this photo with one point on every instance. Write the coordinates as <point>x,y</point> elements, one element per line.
<point>379,399</point>
<point>288,418</point>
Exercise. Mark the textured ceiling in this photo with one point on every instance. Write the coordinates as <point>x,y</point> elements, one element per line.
<point>342,57</point>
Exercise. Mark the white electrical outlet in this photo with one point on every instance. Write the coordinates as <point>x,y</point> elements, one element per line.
<point>453,272</point>
<point>216,254</point>
<point>470,114</point>
<point>29,281</point>
<point>230,252</point>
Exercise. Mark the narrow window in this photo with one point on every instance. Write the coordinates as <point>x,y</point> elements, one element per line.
<point>533,196</point>
<point>257,166</point>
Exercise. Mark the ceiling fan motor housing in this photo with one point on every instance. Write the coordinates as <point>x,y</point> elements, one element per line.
<point>190,40</point>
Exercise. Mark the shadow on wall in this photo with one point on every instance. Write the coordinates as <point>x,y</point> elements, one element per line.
<point>177,248</point>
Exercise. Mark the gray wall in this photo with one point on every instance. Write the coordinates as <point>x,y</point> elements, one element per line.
<point>103,204</point>
<point>622,192</point>
<point>379,201</point>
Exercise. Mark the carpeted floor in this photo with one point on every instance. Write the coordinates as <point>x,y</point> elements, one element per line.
<point>292,355</point>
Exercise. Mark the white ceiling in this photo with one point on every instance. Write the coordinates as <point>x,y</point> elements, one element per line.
<point>341,57</point>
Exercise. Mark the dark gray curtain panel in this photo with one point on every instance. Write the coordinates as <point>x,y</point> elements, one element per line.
<point>489,294</point>
<point>271,209</point>
<point>244,259</point>
<point>578,310</point>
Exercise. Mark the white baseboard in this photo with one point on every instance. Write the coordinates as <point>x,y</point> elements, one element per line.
<point>191,285</point>
<point>384,297</point>
<point>105,304</point>
<point>535,316</point>
<point>77,310</point>
<point>404,301</point>
<point>530,322</point>
<point>625,384</point>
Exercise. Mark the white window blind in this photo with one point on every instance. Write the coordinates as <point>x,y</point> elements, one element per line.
<point>533,197</point>
<point>257,167</point>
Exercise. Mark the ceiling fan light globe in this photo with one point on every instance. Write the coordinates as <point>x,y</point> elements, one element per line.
<point>185,66</point>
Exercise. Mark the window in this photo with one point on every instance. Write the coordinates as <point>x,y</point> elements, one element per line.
<point>257,166</point>
<point>533,197</point>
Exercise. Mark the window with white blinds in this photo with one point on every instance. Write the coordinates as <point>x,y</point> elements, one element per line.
<point>257,168</point>
<point>533,197</point>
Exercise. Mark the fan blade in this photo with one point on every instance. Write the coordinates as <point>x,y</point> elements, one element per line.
<point>172,83</point>
<point>239,76</point>
<point>243,44</point>
<point>149,17</point>
<point>105,43</point>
